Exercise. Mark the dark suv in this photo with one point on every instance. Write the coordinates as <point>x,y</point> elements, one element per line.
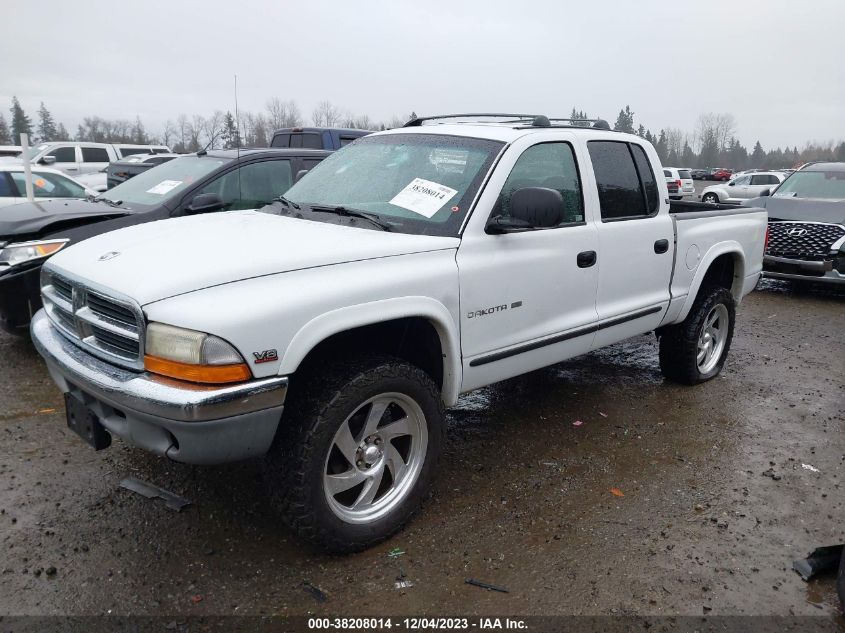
<point>330,138</point>
<point>198,183</point>
<point>807,225</point>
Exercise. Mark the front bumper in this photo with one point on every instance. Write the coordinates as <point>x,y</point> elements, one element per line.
<point>786,268</point>
<point>195,424</point>
<point>20,298</point>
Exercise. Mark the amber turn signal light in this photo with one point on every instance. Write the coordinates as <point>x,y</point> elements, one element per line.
<point>208,374</point>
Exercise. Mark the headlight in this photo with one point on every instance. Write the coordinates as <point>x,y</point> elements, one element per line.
<point>14,254</point>
<point>191,355</point>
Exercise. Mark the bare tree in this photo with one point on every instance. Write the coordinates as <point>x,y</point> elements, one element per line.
<point>183,130</point>
<point>195,131</point>
<point>213,129</point>
<point>715,130</point>
<point>168,136</point>
<point>283,114</point>
<point>326,115</point>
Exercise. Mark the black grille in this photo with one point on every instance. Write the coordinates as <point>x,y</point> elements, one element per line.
<point>110,310</point>
<point>802,240</point>
<point>116,344</point>
<point>63,288</point>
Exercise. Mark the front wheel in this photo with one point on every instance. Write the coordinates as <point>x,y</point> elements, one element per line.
<point>712,198</point>
<point>694,350</point>
<point>360,453</point>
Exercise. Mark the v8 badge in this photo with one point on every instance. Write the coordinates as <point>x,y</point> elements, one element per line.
<point>267,356</point>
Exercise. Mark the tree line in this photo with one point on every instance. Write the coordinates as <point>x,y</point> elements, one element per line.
<point>712,143</point>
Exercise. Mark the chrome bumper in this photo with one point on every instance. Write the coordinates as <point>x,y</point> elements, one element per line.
<point>189,423</point>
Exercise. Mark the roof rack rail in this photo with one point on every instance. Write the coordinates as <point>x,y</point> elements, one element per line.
<point>528,120</point>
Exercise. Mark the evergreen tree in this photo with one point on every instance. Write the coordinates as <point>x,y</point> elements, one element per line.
<point>840,152</point>
<point>46,125</point>
<point>641,131</point>
<point>758,156</point>
<point>230,136</point>
<point>662,146</point>
<point>688,156</point>
<point>21,124</point>
<point>625,121</point>
<point>5,136</point>
<point>61,133</point>
<point>579,114</point>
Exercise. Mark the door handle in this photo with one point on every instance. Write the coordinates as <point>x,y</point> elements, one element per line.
<point>661,246</point>
<point>586,259</point>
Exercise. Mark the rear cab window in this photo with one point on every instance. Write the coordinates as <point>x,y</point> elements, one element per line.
<point>625,181</point>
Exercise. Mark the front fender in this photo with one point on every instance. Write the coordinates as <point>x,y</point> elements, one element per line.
<point>348,318</point>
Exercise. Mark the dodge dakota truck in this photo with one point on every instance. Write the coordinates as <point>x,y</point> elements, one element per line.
<point>328,331</point>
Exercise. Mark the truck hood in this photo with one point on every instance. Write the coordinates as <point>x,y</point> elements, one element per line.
<point>30,218</point>
<point>801,209</point>
<point>154,261</point>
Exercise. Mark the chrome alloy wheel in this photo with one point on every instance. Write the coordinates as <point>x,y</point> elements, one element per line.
<point>711,340</point>
<point>375,458</point>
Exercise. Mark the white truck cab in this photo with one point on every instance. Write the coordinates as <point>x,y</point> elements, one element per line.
<point>79,157</point>
<point>329,330</point>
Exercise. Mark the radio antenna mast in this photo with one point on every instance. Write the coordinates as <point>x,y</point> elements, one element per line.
<point>238,138</point>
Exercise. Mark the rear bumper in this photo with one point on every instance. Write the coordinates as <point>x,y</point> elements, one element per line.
<point>786,268</point>
<point>188,423</point>
<point>20,298</point>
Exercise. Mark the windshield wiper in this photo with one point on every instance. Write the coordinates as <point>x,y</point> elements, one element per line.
<point>111,203</point>
<point>350,213</point>
<point>286,202</point>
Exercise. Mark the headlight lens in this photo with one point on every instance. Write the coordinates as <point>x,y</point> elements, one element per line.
<point>190,355</point>
<point>14,254</point>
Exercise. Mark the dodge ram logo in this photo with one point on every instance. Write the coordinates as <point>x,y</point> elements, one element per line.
<point>109,255</point>
<point>796,232</point>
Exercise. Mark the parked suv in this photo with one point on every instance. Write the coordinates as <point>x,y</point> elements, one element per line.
<point>333,327</point>
<point>683,179</point>
<point>85,158</point>
<point>807,225</point>
<point>196,184</point>
<point>316,137</point>
<point>742,187</point>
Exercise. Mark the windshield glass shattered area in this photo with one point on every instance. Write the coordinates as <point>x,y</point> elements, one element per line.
<point>416,183</point>
<point>827,185</point>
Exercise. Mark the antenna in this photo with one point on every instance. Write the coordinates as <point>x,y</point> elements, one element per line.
<point>238,139</point>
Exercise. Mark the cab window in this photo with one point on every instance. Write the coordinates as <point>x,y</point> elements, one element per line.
<point>252,186</point>
<point>550,166</point>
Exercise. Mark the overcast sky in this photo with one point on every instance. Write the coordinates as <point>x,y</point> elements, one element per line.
<point>777,65</point>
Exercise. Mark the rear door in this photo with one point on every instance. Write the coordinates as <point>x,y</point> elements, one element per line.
<point>636,241</point>
<point>527,299</point>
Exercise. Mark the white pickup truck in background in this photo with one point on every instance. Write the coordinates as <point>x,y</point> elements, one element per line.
<point>329,330</point>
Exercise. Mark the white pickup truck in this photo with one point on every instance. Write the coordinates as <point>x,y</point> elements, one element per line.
<point>330,330</point>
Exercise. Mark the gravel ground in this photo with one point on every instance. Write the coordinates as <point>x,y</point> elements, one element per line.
<point>717,500</point>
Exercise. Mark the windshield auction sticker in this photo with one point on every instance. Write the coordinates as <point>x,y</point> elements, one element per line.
<point>423,197</point>
<point>165,186</point>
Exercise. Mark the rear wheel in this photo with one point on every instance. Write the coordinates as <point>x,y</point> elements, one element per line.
<point>360,453</point>
<point>710,197</point>
<point>694,350</point>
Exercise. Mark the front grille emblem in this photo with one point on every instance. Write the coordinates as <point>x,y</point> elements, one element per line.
<point>107,256</point>
<point>796,232</point>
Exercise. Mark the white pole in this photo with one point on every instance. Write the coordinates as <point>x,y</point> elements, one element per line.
<point>27,167</point>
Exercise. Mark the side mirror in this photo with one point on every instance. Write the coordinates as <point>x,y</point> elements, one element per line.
<point>205,203</point>
<point>731,183</point>
<point>765,192</point>
<point>300,174</point>
<point>47,160</point>
<point>540,207</point>
<point>500,224</point>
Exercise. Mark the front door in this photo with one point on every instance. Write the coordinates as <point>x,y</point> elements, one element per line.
<point>524,296</point>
